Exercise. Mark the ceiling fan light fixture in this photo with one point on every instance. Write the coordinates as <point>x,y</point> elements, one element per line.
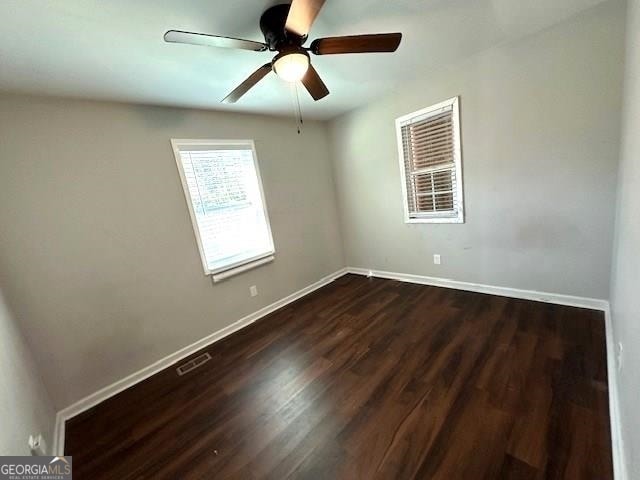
<point>291,66</point>
<point>286,28</point>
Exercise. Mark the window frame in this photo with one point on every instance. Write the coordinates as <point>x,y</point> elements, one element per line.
<point>433,217</point>
<point>237,267</point>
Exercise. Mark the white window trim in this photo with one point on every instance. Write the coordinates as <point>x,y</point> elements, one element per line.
<point>238,267</point>
<point>434,217</point>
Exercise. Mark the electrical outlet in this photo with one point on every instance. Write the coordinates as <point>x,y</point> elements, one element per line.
<point>620,356</point>
<point>253,290</point>
<point>436,259</point>
<point>37,445</point>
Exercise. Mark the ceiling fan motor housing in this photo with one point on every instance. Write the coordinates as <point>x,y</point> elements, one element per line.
<point>272,24</point>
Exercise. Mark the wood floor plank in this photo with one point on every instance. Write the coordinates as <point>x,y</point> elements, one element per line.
<point>376,379</point>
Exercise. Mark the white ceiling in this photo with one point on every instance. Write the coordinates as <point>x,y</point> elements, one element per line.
<point>113,49</point>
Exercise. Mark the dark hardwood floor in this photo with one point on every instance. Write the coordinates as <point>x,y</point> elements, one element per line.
<point>371,379</point>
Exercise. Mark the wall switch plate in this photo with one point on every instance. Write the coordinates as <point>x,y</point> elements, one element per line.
<point>253,290</point>
<point>436,259</point>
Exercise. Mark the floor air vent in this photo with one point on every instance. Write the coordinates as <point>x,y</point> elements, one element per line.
<point>193,364</point>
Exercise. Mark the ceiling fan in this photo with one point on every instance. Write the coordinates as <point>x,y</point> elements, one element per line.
<point>286,28</point>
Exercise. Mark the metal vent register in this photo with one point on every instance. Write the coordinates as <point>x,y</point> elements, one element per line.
<point>193,364</point>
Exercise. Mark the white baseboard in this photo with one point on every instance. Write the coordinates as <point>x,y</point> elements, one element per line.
<point>584,302</point>
<point>617,445</point>
<point>127,382</point>
<point>593,303</point>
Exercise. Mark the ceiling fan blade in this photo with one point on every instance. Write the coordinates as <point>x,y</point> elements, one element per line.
<point>178,36</point>
<point>244,87</point>
<point>314,84</point>
<point>301,16</point>
<point>381,42</point>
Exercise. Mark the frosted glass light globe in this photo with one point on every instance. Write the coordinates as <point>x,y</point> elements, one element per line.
<point>291,67</point>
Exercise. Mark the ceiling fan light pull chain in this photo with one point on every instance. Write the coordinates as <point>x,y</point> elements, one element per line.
<point>299,109</point>
<point>295,103</point>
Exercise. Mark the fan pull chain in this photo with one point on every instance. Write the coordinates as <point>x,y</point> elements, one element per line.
<point>297,110</point>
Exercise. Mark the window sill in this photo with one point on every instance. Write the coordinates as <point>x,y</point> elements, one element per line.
<point>220,276</point>
<point>435,220</point>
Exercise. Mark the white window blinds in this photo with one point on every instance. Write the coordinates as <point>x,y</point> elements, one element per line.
<point>223,190</point>
<point>430,163</point>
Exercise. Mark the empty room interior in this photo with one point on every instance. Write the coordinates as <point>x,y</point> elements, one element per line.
<point>320,239</point>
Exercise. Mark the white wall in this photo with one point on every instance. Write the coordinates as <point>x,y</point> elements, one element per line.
<point>625,299</point>
<point>540,138</point>
<point>25,407</point>
<point>98,253</point>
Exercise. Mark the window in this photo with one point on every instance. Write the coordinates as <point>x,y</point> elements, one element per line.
<point>431,164</point>
<point>222,186</point>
